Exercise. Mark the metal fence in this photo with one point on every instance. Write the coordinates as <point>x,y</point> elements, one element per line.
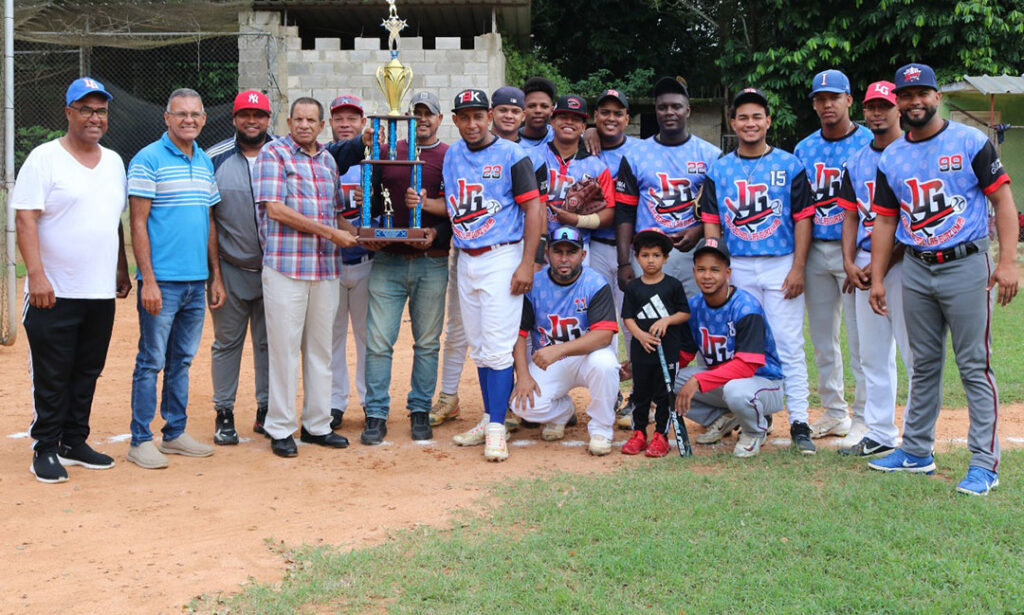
<point>140,77</point>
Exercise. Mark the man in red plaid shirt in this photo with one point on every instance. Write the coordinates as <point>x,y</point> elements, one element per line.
<point>295,183</point>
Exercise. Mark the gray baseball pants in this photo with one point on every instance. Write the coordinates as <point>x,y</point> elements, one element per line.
<point>951,297</point>
<point>242,307</point>
<point>750,399</point>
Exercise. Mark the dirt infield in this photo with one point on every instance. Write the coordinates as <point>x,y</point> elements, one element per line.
<point>132,540</point>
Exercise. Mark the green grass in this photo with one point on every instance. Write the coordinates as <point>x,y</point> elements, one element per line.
<point>775,534</point>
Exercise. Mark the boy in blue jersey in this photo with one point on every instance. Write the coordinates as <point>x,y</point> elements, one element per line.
<point>932,192</point>
<point>743,375</point>
<point>539,96</point>
<point>570,318</point>
<point>654,309</point>
<point>824,154</point>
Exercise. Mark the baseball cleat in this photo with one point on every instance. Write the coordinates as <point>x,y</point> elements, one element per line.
<point>445,409</point>
<point>830,426</point>
<point>599,446</point>
<point>475,436</point>
<point>857,432</point>
<point>495,447</point>
<point>224,428</point>
<point>552,432</point>
<point>898,461</point>
<point>748,445</point>
<point>718,429</point>
<point>800,433</point>
<point>978,481</point>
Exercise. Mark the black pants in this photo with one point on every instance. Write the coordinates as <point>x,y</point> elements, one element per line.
<point>648,386</point>
<point>67,349</point>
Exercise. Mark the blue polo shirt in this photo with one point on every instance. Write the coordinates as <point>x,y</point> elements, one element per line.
<point>183,190</point>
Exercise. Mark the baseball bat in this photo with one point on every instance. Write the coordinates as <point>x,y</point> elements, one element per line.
<point>682,437</point>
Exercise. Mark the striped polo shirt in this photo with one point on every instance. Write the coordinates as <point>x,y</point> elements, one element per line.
<point>182,190</point>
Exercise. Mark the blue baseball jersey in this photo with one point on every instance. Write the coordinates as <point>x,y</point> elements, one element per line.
<point>555,313</point>
<point>938,187</point>
<point>858,191</point>
<point>612,158</point>
<point>351,210</point>
<point>737,329</point>
<point>527,142</point>
<point>757,201</point>
<point>483,189</point>
<point>658,185</point>
<point>562,174</point>
<point>823,161</point>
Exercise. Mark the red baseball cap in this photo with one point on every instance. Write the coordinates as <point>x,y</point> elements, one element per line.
<point>251,99</point>
<point>347,100</point>
<point>881,90</point>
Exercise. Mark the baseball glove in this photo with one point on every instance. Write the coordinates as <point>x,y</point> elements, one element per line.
<point>584,197</point>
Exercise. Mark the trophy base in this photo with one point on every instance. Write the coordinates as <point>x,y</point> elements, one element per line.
<point>401,235</point>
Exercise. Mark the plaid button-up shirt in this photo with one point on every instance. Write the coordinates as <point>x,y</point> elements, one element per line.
<point>284,172</point>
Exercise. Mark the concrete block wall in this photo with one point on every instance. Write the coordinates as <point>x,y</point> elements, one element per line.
<point>326,71</point>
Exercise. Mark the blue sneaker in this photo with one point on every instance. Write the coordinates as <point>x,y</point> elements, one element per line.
<point>898,461</point>
<point>978,481</point>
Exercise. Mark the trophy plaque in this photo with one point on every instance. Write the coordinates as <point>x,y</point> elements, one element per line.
<point>394,80</point>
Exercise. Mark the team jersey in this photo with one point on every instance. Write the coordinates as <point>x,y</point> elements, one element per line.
<point>737,329</point>
<point>527,142</point>
<point>612,158</point>
<point>350,210</point>
<point>554,313</point>
<point>658,184</point>
<point>858,191</point>
<point>646,304</point>
<point>938,187</point>
<point>823,161</point>
<point>757,201</point>
<point>483,190</point>
<point>561,175</point>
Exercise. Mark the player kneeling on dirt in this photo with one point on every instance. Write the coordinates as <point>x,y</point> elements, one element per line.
<point>570,314</point>
<point>743,378</point>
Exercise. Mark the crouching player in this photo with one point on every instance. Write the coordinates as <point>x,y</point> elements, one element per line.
<point>570,315</point>
<point>744,375</point>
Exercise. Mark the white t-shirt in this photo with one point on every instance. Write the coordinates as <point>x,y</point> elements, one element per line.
<point>82,210</point>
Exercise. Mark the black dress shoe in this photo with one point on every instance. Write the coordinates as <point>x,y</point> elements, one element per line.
<point>337,416</point>
<point>420,422</point>
<point>330,439</point>
<point>374,431</point>
<point>284,447</point>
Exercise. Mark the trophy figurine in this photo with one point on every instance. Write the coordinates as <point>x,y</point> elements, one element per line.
<point>394,80</point>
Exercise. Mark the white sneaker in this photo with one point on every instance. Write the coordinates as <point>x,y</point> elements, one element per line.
<point>495,448</point>
<point>857,432</point>
<point>552,432</point>
<point>147,456</point>
<point>599,446</point>
<point>830,426</point>
<point>721,427</point>
<point>748,445</point>
<point>185,445</point>
<point>473,437</point>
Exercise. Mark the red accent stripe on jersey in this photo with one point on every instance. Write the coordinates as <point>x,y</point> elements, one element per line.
<point>807,213</point>
<point>710,218</point>
<point>605,325</point>
<point>988,369</point>
<point>1003,179</point>
<point>847,205</point>
<point>627,199</point>
<point>884,211</point>
<point>522,198</point>
<point>523,333</point>
<point>685,358</point>
<point>751,357</point>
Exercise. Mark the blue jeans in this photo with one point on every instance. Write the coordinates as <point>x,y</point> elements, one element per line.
<point>393,279</point>
<point>167,341</point>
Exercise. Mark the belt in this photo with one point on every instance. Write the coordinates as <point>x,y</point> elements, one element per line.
<point>944,256</point>
<point>486,249</point>
<point>604,240</point>
<point>358,261</point>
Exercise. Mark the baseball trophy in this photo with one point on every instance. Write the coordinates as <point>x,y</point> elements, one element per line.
<point>394,80</point>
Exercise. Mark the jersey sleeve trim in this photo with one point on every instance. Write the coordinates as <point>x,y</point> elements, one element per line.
<point>1003,179</point>
<point>526,196</point>
<point>806,213</point>
<point>605,325</point>
<point>712,218</point>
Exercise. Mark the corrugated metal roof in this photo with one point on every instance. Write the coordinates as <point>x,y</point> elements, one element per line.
<point>988,84</point>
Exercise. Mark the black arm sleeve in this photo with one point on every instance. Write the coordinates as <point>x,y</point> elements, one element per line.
<point>885,198</point>
<point>800,195</point>
<point>988,167</point>
<point>601,307</point>
<point>347,153</point>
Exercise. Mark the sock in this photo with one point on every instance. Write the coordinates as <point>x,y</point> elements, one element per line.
<point>499,390</point>
<point>482,374</point>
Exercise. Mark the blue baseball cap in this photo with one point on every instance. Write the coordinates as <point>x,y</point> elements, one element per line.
<point>915,75</point>
<point>508,95</point>
<point>830,80</point>
<point>566,234</point>
<point>82,87</point>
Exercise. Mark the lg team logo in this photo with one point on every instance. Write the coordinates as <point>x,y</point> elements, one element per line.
<point>715,348</point>
<point>826,184</point>
<point>468,206</point>
<point>562,330</point>
<point>673,201</point>
<point>932,216</point>
<point>755,215</point>
<point>350,210</point>
<point>558,186</point>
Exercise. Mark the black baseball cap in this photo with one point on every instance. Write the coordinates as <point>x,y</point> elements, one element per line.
<point>471,99</point>
<point>653,234</point>
<point>540,84</point>
<point>714,245</point>
<point>670,85</point>
<point>566,234</point>
<point>508,95</point>
<point>615,95</point>
<point>750,95</point>
<point>571,104</point>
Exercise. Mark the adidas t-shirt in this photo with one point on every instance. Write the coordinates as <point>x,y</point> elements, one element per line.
<point>646,303</point>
